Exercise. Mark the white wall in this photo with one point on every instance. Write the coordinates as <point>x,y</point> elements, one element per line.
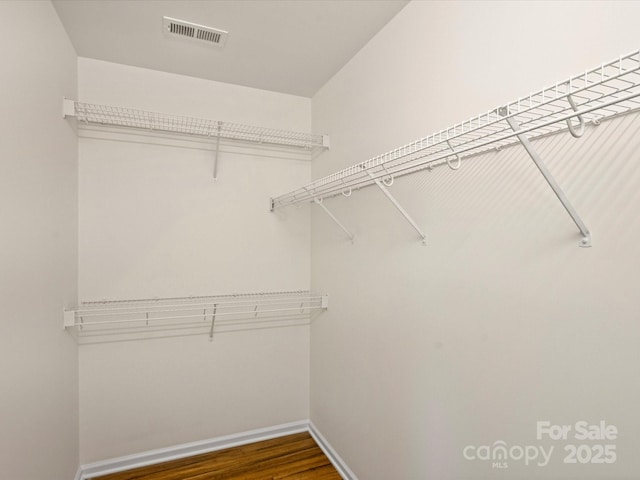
<point>502,320</point>
<point>38,246</point>
<point>154,224</point>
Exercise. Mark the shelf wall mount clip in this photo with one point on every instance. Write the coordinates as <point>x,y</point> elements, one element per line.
<point>524,141</point>
<point>69,319</point>
<point>68,108</point>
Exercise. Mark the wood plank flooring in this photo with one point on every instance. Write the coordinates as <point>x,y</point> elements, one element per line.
<point>292,457</point>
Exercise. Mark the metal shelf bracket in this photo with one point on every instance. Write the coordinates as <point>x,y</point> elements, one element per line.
<point>318,201</point>
<point>215,160</point>
<point>396,204</point>
<point>213,321</point>
<point>524,140</point>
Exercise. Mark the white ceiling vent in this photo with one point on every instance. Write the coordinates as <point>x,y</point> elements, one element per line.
<point>188,30</point>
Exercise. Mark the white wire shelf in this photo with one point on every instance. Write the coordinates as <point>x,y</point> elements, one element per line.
<point>202,313</point>
<point>114,116</point>
<point>606,91</point>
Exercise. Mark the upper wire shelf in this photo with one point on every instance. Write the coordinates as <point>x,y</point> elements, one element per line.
<point>606,91</point>
<point>200,314</point>
<point>113,116</point>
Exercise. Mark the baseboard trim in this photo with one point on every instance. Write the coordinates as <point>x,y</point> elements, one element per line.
<point>97,469</point>
<point>85,472</point>
<point>331,454</point>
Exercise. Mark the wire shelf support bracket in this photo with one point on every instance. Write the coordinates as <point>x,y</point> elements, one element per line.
<point>319,202</point>
<point>597,94</point>
<point>382,185</point>
<point>215,160</point>
<point>524,140</point>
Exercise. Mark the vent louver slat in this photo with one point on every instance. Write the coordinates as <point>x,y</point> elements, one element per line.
<point>208,36</point>
<point>181,29</point>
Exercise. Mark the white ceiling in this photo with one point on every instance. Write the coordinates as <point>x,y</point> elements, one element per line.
<point>290,46</point>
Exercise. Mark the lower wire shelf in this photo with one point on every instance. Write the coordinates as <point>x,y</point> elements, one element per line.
<point>123,319</point>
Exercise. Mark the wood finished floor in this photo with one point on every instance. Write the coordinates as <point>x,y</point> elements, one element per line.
<point>293,457</point>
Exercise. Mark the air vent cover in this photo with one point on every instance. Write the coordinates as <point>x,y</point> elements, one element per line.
<point>193,31</point>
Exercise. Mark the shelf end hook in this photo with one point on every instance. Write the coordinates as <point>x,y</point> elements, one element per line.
<point>572,129</point>
<point>453,166</point>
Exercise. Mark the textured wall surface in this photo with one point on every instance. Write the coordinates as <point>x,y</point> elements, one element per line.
<point>502,320</point>
<point>153,223</point>
<point>38,246</point>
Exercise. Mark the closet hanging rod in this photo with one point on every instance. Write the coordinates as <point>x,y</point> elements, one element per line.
<point>115,116</point>
<point>608,90</point>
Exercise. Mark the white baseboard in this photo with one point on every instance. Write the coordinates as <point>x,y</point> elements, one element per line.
<point>331,454</point>
<point>128,462</point>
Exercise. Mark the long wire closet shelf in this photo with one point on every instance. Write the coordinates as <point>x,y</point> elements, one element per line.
<point>606,91</point>
<point>165,123</point>
<point>200,314</point>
